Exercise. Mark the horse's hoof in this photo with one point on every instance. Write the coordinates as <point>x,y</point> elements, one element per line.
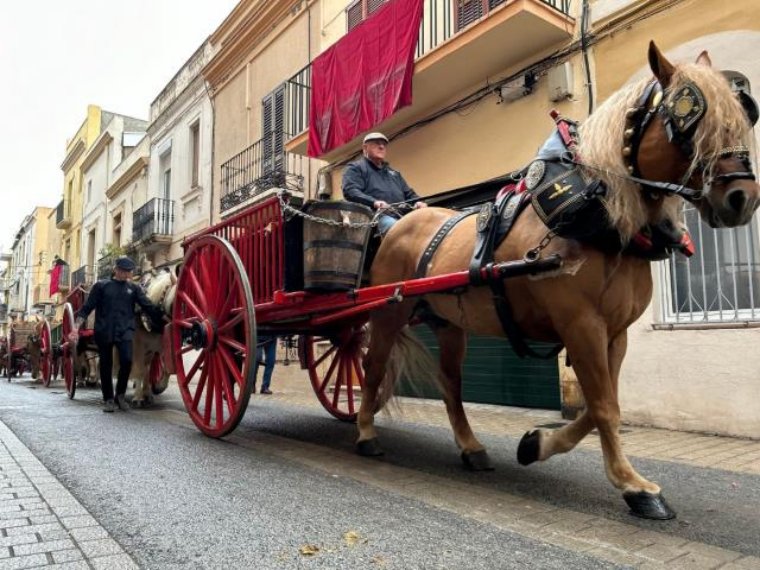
<point>649,506</point>
<point>477,460</point>
<point>529,447</point>
<point>369,447</point>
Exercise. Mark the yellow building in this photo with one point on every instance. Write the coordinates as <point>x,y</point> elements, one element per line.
<point>69,211</point>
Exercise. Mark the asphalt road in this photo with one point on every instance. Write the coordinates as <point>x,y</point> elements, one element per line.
<point>174,498</point>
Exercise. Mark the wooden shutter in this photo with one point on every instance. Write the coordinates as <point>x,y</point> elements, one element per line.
<point>355,14</point>
<point>493,3</point>
<point>278,127</point>
<point>267,107</point>
<point>467,12</point>
<point>373,5</point>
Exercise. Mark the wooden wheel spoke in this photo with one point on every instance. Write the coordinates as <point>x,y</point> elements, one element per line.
<point>187,348</point>
<point>198,290</point>
<point>234,344</point>
<point>229,395</point>
<point>194,368</point>
<point>329,374</point>
<point>237,319</point>
<point>227,307</point>
<point>191,304</point>
<point>338,380</point>
<point>220,379</point>
<point>230,364</point>
<point>209,394</point>
<point>322,358</point>
<point>183,323</point>
<point>199,388</point>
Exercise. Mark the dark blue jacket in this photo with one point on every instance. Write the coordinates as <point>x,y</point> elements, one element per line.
<point>363,182</point>
<point>114,304</point>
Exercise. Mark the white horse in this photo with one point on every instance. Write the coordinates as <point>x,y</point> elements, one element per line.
<point>160,288</point>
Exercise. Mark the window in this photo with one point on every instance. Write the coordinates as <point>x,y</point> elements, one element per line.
<point>360,10</point>
<point>116,238</point>
<point>468,11</point>
<point>721,282</point>
<point>165,173</point>
<point>273,125</point>
<point>195,150</point>
<point>89,191</point>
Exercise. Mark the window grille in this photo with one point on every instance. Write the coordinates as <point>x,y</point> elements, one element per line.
<point>720,283</point>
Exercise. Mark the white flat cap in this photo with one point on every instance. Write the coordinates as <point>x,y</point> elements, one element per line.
<point>375,137</point>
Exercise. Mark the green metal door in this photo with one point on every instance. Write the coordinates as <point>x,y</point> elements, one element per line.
<point>494,374</point>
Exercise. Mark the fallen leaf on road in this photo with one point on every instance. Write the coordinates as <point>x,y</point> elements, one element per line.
<point>308,550</point>
<point>377,559</point>
<point>352,537</point>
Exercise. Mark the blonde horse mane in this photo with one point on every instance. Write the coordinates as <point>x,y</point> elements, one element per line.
<point>602,141</point>
<point>162,289</point>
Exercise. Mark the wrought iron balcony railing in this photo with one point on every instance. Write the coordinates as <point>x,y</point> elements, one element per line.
<point>155,218</point>
<point>62,215</point>
<point>64,281</point>
<point>85,275</point>
<point>442,19</point>
<point>262,166</point>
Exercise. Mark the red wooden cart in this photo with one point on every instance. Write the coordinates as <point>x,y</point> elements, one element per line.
<point>71,366</point>
<point>17,351</point>
<point>233,284</point>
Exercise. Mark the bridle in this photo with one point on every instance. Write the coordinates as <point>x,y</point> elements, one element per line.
<point>680,113</point>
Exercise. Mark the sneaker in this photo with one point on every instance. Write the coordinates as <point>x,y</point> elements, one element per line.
<point>121,401</point>
<point>265,391</point>
<point>109,406</point>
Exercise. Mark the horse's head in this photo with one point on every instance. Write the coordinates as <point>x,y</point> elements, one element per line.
<point>700,135</point>
<point>685,127</point>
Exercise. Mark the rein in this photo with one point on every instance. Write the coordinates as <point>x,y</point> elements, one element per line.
<point>681,113</point>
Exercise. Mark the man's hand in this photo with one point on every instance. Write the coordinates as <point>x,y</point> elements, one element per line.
<point>74,336</point>
<point>420,204</point>
<point>380,204</point>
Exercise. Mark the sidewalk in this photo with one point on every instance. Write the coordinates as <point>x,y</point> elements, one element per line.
<point>291,385</point>
<point>41,524</point>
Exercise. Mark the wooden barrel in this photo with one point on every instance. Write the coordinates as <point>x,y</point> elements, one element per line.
<point>333,255</point>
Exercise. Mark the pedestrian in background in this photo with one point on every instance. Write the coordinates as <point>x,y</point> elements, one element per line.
<point>266,354</point>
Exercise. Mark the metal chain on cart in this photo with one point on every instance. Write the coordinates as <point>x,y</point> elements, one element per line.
<point>344,224</point>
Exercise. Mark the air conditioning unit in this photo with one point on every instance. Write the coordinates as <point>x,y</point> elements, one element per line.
<point>560,82</point>
<point>517,88</point>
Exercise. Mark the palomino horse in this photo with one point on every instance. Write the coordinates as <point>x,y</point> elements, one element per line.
<point>589,304</point>
<point>160,289</point>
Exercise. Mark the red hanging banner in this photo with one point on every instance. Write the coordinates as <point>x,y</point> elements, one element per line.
<point>55,278</point>
<point>365,77</point>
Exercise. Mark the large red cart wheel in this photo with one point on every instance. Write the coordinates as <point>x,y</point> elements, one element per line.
<point>214,336</point>
<point>46,353</point>
<point>156,376</point>
<point>69,351</point>
<point>336,373</point>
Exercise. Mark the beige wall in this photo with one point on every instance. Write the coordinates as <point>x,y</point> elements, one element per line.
<point>701,380</point>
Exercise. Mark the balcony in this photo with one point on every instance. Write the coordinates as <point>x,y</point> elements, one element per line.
<point>259,170</point>
<point>153,224</point>
<point>41,295</point>
<point>63,215</point>
<point>85,276</point>
<point>461,43</point>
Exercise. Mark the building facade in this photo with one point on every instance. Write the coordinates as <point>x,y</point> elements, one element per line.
<point>29,285</point>
<point>117,139</point>
<point>692,361</point>
<point>180,176</point>
<point>259,87</point>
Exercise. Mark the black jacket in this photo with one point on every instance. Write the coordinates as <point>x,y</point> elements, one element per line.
<point>114,305</point>
<point>364,182</point>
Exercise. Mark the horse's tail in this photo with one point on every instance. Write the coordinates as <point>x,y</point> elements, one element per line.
<point>410,359</point>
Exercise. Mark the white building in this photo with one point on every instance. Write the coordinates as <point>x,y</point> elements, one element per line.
<point>119,136</point>
<point>180,173</point>
<point>20,270</point>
